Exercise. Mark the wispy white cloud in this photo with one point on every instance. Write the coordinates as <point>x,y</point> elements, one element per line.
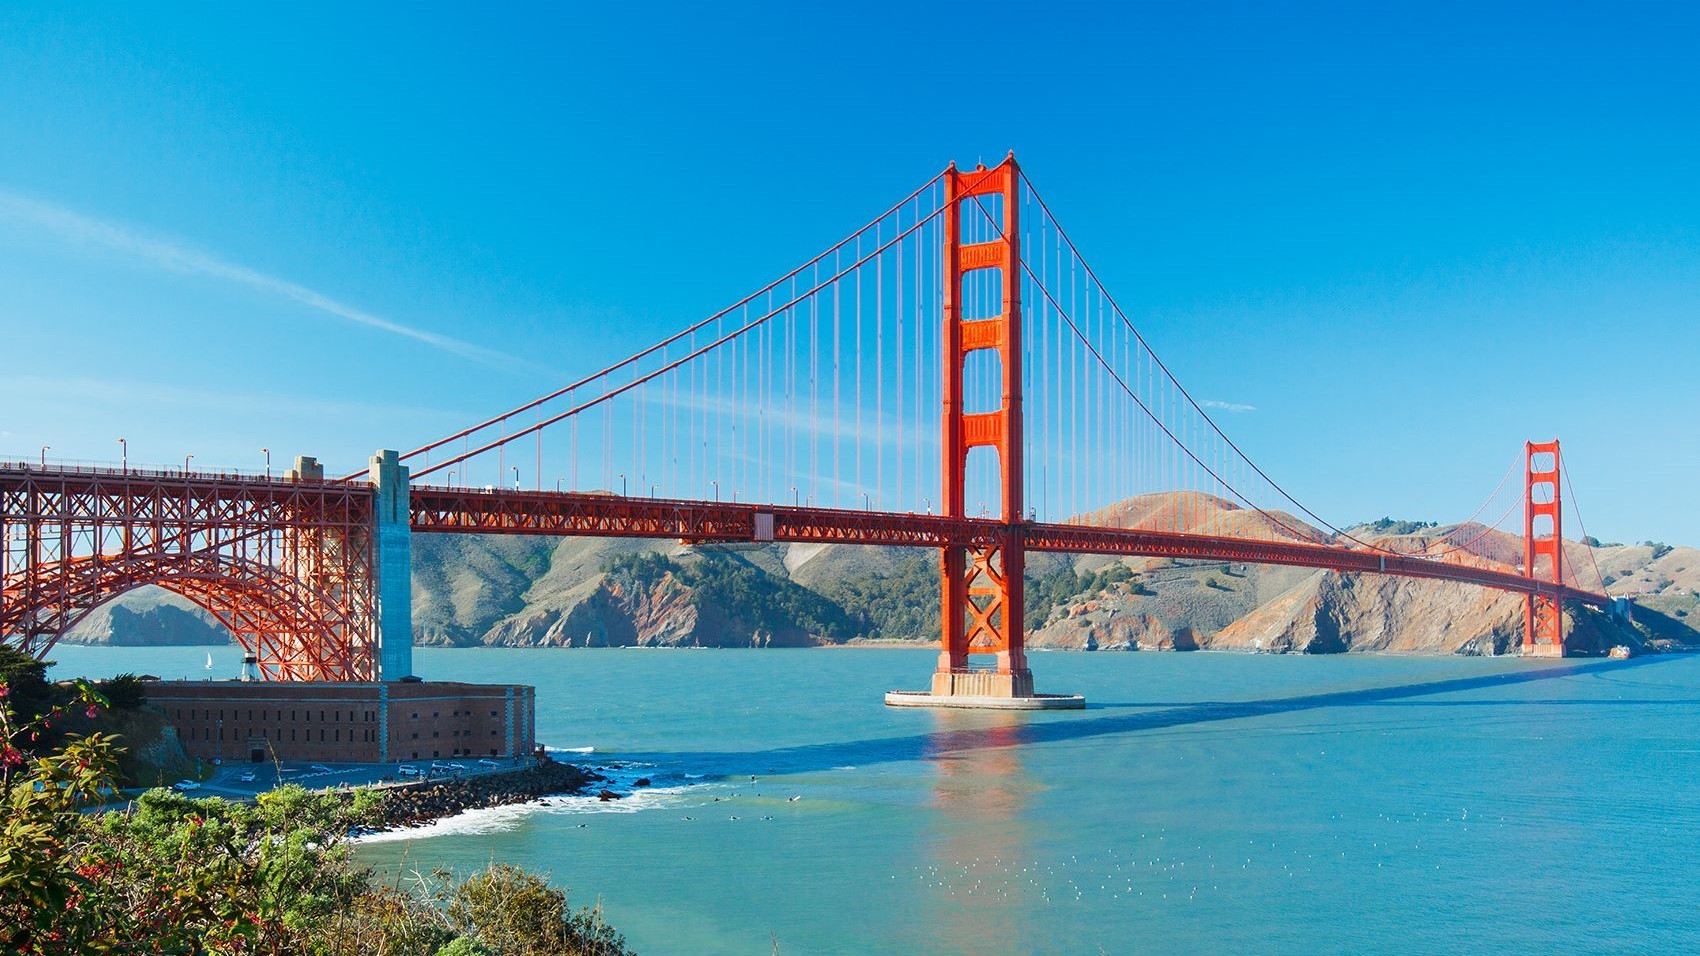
<point>1228,406</point>
<point>107,394</point>
<point>89,233</point>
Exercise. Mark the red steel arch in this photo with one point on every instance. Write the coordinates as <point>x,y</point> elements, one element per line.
<point>286,566</point>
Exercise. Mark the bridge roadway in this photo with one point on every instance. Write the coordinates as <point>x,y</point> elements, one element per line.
<point>294,566</point>
<point>246,503</point>
<point>437,510</point>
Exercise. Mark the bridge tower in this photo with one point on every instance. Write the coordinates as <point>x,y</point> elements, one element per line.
<point>1543,549</point>
<point>982,590</point>
<point>982,587</point>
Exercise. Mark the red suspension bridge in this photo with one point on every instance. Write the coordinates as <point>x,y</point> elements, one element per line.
<point>952,375</point>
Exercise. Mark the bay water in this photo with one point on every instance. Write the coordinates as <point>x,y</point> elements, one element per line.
<point>1202,802</point>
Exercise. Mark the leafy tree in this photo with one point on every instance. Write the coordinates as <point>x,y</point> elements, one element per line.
<point>29,694</point>
<point>124,692</point>
<point>512,912</point>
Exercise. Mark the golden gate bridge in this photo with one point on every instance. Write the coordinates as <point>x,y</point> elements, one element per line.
<point>952,375</point>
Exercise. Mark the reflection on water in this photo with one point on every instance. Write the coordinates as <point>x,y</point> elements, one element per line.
<point>981,795</point>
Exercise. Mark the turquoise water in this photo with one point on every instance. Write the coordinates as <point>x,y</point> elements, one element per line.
<point>1204,803</point>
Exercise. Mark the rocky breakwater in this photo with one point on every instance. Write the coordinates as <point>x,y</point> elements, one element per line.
<point>413,804</point>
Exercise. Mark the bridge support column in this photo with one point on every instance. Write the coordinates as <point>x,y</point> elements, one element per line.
<point>982,587</point>
<point>393,542</point>
<point>1543,549</point>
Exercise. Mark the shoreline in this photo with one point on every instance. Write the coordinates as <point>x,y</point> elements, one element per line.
<point>411,805</point>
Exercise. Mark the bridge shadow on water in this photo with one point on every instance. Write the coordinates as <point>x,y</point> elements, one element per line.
<point>1005,729</point>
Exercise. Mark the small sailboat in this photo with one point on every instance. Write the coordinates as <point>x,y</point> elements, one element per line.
<point>209,661</point>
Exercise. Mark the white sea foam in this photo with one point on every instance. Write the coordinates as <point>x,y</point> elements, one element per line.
<point>500,819</point>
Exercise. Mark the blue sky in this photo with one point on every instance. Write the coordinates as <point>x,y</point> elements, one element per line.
<point>1409,237</point>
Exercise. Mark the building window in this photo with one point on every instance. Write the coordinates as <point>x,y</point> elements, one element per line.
<point>435,735</point>
<point>416,735</point>
<point>492,713</point>
<point>434,715</point>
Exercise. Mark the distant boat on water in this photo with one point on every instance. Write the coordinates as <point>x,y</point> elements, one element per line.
<point>209,661</point>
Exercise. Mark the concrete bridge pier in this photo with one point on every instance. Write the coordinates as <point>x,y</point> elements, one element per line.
<point>393,547</point>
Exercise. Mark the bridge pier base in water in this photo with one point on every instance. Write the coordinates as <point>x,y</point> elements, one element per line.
<point>985,690</point>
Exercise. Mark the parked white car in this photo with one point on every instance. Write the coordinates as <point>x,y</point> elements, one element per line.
<point>486,762</point>
<point>186,785</point>
<point>407,771</point>
<point>247,776</point>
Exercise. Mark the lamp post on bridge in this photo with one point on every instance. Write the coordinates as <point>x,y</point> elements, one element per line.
<point>622,477</point>
<point>516,477</point>
<point>716,485</point>
<point>794,502</point>
<point>652,486</point>
<point>557,484</point>
<point>268,454</point>
<point>124,456</point>
<point>451,477</point>
<point>186,465</point>
<point>44,450</point>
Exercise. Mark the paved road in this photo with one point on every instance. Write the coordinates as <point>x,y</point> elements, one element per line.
<point>226,781</point>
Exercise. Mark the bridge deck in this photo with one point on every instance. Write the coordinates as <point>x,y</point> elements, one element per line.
<point>436,510</point>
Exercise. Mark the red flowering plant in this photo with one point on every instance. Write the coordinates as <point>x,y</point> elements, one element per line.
<point>45,879</point>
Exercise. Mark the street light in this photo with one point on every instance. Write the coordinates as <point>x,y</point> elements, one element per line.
<point>516,477</point>
<point>652,487</point>
<point>865,505</point>
<point>558,485</point>
<point>125,454</point>
<point>268,452</point>
<point>44,450</point>
<point>716,485</point>
<point>451,477</point>
<point>622,477</point>
<point>794,501</point>
<point>186,465</point>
